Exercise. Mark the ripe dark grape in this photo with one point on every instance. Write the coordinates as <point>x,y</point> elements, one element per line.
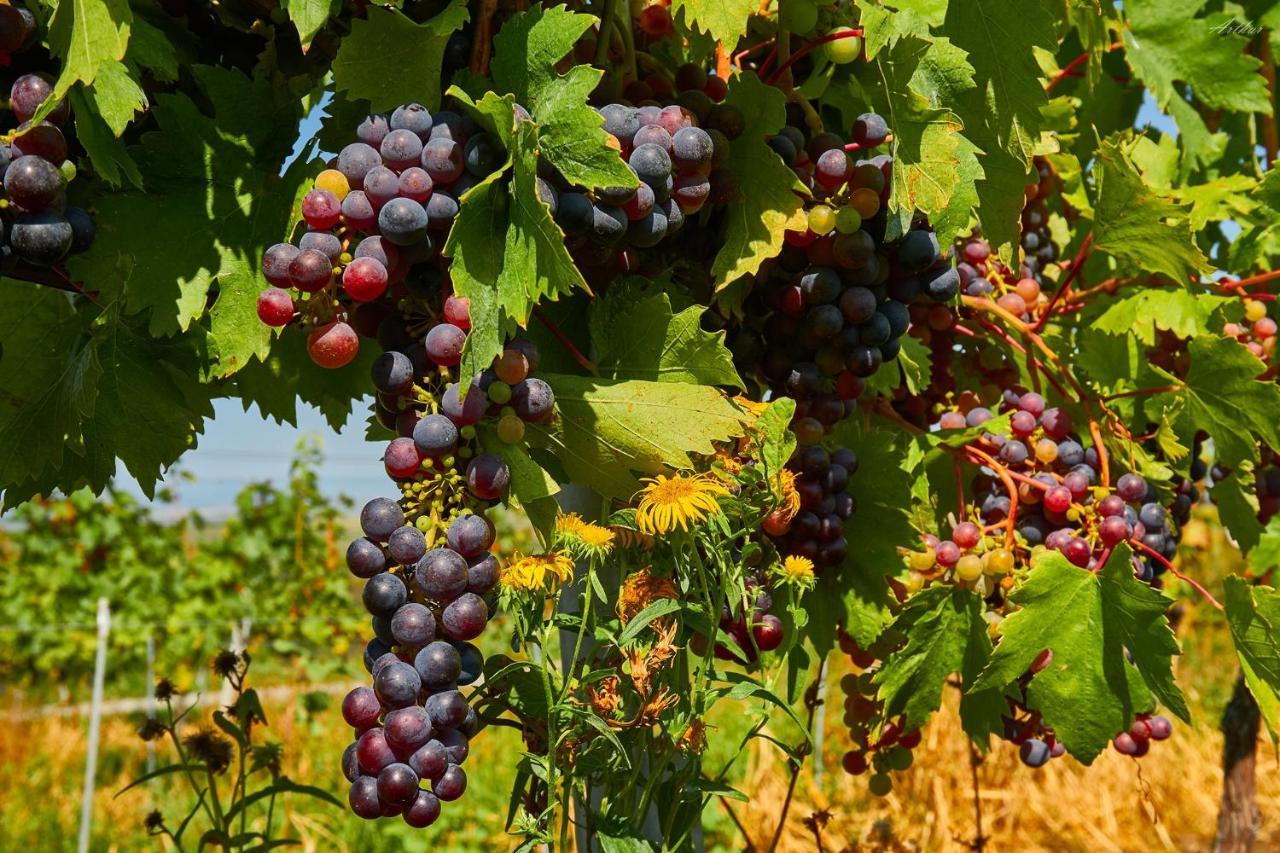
<point>443,160</point>
<point>444,344</point>
<point>423,811</point>
<point>364,558</point>
<point>488,477</point>
<point>310,270</point>
<point>451,785</point>
<point>470,535</point>
<point>438,665</point>
<point>276,261</point>
<point>361,709</point>
<point>1131,487</point>
<point>384,593</point>
<point>455,742</point>
<point>33,183</point>
<point>442,574</point>
<point>392,373</point>
<point>482,574</point>
<point>466,411</point>
<point>397,783</point>
<point>406,545</point>
<point>431,759</point>
<point>1034,752</point>
<point>380,517</point>
<point>356,160</point>
<point>472,665</point>
<point>401,149</point>
<point>40,140</point>
<point>435,436</point>
<point>42,238</point>
<point>397,685</point>
<point>28,92</point>
<point>442,208</point>
<point>403,221</point>
<point>373,751</point>
<point>464,618</point>
<point>350,763</point>
<point>358,211</point>
<point>413,625</point>
<point>483,154</point>
<point>402,458</point>
<point>533,400</point>
<point>870,130</point>
<point>446,709</point>
<point>407,730</point>
<point>411,117</point>
<point>381,185</point>
<point>363,798</point>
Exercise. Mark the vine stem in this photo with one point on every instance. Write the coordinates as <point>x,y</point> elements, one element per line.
<point>856,146</point>
<point>1069,69</point>
<point>809,48</point>
<point>1160,558</point>
<point>1076,266</point>
<point>587,364</point>
<point>979,839</point>
<point>602,42</point>
<point>733,816</point>
<point>813,700</point>
<point>1270,136</point>
<point>1142,392</point>
<point>1261,278</point>
<point>1003,473</point>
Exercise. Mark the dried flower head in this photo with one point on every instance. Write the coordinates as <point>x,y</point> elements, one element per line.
<point>154,822</point>
<point>538,572</point>
<point>268,756</point>
<point>210,747</point>
<point>787,494</point>
<point>693,740</point>
<point>679,501</point>
<point>603,696</point>
<point>226,663</point>
<point>165,689</point>
<point>151,729</point>
<point>641,589</point>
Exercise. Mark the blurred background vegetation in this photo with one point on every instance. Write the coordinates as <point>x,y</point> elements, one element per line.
<point>274,566</point>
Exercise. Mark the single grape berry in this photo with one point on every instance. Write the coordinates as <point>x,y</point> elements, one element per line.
<point>488,477</point>
<point>364,279</point>
<point>435,436</point>
<point>444,344</point>
<point>275,307</point>
<point>364,558</point>
<point>441,574</point>
<point>470,535</point>
<point>333,345</point>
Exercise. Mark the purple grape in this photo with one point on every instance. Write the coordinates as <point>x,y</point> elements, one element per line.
<point>464,618</point>
<point>413,625</point>
<point>447,709</point>
<point>435,436</point>
<point>412,117</point>
<point>482,574</point>
<point>438,665</point>
<point>407,730</point>
<point>430,760</point>
<point>33,183</point>
<point>467,411</point>
<point>444,344</point>
<point>451,785</point>
<point>381,185</point>
<point>358,211</point>
<point>1131,487</point>
<point>1034,752</point>
<point>384,594</point>
<point>423,811</point>
<point>533,400</point>
<point>470,535</point>
<point>442,158</point>
<point>363,798</point>
<point>398,784</point>
<point>361,709</point>
<point>350,763</point>
<point>403,221</point>
<point>276,261</point>
<point>401,149</point>
<point>455,744</point>
<point>472,665</point>
<point>397,685</point>
<point>441,574</point>
<point>380,518</point>
<point>373,751</point>
<point>40,140</point>
<point>406,545</point>
<point>488,477</point>
<point>355,162</point>
<point>373,130</point>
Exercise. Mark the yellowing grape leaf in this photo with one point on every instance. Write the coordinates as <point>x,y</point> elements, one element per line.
<point>723,20</point>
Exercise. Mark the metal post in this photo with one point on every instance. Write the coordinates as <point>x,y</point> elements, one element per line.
<point>95,722</point>
<point>151,698</point>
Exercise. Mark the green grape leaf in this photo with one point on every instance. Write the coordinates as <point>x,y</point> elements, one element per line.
<point>1222,395</point>
<point>75,394</point>
<point>723,20</point>
<point>309,16</point>
<point>151,48</point>
<point>288,376</point>
<point>532,488</point>
<point>1148,309</point>
<point>777,441</point>
<point>767,203</point>
<point>108,154</point>
<point>388,39</point>
<point>475,269</point>
<point>943,626</point>
<point>1089,691</point>
<point>85,34</point>
<point>213,175</point>
<point>1237,503</point>
<point>911,368</point>
<point>1266,554</point>
<point>1167,44</point>
<point>650,342</point>
<point>116,95</point>
<point>1253,615</point>
<point>605,431</point>
<point>1000,38</point>
<point>1133,223</point>
<point>526,51</point>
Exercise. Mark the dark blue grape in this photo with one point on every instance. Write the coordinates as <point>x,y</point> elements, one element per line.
<point>356,160</point>
<point>647,231</point>
<point>652,164</point>
<point>412,117</point>
<point>392,373</point>
<point>384,593</point>
<point>83,228</point>
<point>397,685</point>
<point>575,213</point>
<point>365,559</point>
<point>435,435</point>
<point>380,518</point>
<point>438,665</point>
<point>441,574</point>
<point>919,250</point>
<point>472,665</point>
<point>441,210</point>
<point>403,221</point>
<point>447,709</point>
<point>413,625</point>
<point>363,798</point>
<point>470,535</point>
<point>483,154</point>
<point>42,238</point>
<point>621,121</point>
<point>372,130</point>
<point>407,545</point>
<point>608,224</point>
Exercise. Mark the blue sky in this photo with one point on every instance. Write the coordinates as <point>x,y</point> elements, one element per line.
<point>240,447</point>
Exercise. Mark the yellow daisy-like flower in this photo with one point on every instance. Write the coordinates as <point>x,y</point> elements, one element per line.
<point>797,571</point>
<point>671,502</point>
<point>582,537</point>
<point>538,572</point>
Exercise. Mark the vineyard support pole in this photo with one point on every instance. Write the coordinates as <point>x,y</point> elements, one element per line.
<point>151,698</point>
<point>819,723</point>
<point>95,723</point>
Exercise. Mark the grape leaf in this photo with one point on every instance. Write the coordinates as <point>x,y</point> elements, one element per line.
<point>723,20</point>
<point>85,34</point>
<point>151,48</point>
<point>76,392</point>
<point>117,96</point>
<point>1266,555</point>
<point>532,488</point>
<point>910,367</point>
<point>1133,223</point>
<point>288,376</point>
<point>108,154</point>
<point>475,269</point>
<point>1222,395</point>
<point>570,134</point>
<point>387,39</point>
<point>650,342</point>
<point>1167,44</point>
<point>605,429</point>
<point>777,441</point>
<point>1089,691</point>
<point>1237,504</point>
<point>943,626</point>
<point>1147,309</point>
<point>1253,614</point>
<point>767,203</point>
<point>215,176</point>
<point>309,16</point>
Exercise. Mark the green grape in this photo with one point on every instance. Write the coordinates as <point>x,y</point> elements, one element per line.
<point>899,758</point>
<point>499,392</point>
<point>468,432</point>
<point>797,16</point>
<point>843,50</point>
<point>510,429</point>
<point>848,220</point>
<point>68,170</point>
<point>821,219</point>
<point>880,785</point>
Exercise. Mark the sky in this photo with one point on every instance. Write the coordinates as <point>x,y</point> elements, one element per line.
<point>239,447</point>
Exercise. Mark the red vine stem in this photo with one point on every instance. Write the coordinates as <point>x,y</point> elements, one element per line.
<point>1003,473</point>
<point>1251,281</point>
<point>809,48</point>
<point>855,146</point>
<point>1142,546</point>
<point>1076,266</point>
<point>1071,66</point>
<point>560,336</point>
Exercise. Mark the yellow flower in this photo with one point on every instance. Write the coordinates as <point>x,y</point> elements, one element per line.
<point>582,537</point>
<point>797,571</point>
<point>668,503</point>
<point>538,571</point>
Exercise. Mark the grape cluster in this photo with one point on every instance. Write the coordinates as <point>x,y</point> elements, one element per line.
<point>816,531</point>
<point>831,309</point>
<point>863,714</point>
<point>1257,331</point>
<point>413,725</point>
<point>375,222</point>
<point>37,227</point>
<point>765,631</point>
<point>1060,505</point>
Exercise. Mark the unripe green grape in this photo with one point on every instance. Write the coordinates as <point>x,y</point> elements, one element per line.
<point>468,432</point>
<point>797,16</point>
<point>848,220</point>
<point>821,219</point>
<point>68,170</point>
<point>499,392</point>
<point>510,429</point>
<point>899,758</point>
<point>843,50</point>
<point>880,785</point>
